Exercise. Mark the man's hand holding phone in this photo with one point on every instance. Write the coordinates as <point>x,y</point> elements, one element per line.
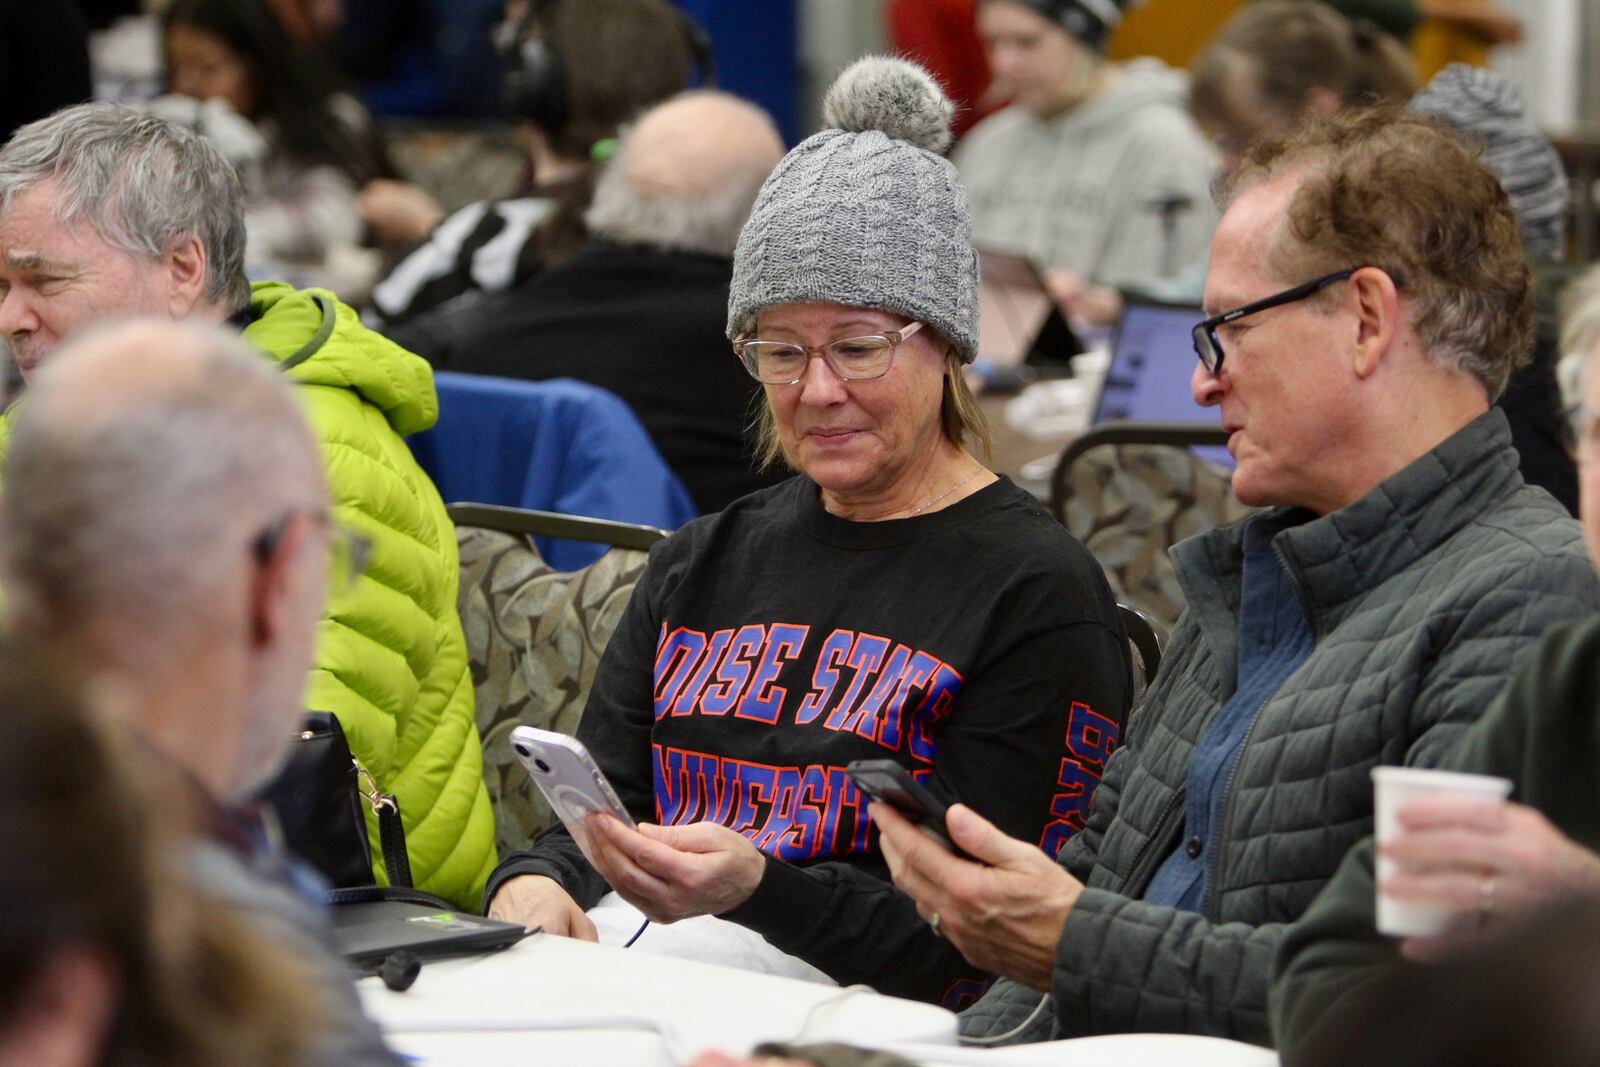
<point>887,782</point>
<point>1004,912</point>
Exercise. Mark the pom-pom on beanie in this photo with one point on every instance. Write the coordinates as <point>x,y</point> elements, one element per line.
<point>867,213</point>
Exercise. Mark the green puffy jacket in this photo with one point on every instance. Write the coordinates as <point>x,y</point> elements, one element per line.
<point>391,659</point>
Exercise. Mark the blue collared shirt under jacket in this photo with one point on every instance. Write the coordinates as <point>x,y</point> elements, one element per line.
<point>1274,640</point>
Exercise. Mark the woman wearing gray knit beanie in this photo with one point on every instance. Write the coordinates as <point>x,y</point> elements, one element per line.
<point>893,601</point>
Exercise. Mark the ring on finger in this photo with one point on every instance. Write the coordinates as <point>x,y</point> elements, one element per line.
<point>933,923</point>
<point>1486,891</point>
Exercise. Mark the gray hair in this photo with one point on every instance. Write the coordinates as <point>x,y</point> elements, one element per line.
<point>702,214</point>
<point>1580,334</point>
<point>140,182</point>
<point>135,482</point>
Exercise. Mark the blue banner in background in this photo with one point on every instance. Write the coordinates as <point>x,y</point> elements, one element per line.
<point>755,44</point>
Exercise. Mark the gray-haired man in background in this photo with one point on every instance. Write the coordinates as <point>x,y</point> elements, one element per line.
<point>640,310</point>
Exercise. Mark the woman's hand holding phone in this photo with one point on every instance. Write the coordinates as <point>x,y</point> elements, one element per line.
<point>675,872</point>
<point>539,902</point>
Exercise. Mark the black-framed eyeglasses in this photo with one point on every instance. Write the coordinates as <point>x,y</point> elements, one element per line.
<point>1209,349</point>
<point>853,359</point>
<point>348,549</point>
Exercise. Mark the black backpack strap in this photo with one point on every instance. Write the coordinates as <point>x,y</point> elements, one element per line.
<point>391,831</point>
<point>368,894</point>
<point>392,836</point>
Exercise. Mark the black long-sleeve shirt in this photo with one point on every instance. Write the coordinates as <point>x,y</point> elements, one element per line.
<point>770,645</point>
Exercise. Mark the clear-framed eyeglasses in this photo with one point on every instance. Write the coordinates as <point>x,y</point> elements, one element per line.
<point>853,359</point>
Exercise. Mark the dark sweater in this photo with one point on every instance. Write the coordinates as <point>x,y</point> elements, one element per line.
<point>770,645</point>
<point>1544,734</point>
<point>1532,400</point>
<point>645,325</point>
<point>44,60</point>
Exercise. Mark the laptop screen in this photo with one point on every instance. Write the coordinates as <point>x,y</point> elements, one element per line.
<point>1152,358</point>
<point>1018,322</point>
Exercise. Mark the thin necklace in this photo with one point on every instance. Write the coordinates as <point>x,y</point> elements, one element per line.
<point>926,504</point>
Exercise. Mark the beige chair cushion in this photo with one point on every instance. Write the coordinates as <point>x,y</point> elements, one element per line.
<point>1130,503</point>
<point>534,638</point>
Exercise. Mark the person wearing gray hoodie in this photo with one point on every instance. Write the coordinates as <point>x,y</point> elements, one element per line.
<point>1096,167</point>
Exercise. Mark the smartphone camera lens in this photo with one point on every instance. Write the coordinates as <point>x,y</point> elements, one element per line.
<point>542,765</point>
<point>523,750</point>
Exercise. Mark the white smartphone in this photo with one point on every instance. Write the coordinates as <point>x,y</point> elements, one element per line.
<point>569,779</point>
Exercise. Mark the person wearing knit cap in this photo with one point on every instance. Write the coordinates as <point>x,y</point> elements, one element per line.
<point>894,600</point>
<point>1488,111</point>
<point>1090,21</point>
<point>1483,105</point>
<point>1095,167</point>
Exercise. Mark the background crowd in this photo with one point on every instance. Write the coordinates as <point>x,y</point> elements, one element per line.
<point>232,287</point>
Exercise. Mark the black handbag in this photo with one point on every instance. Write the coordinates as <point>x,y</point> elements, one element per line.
<point>320,799</point>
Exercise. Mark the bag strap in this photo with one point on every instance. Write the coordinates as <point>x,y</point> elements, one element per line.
<point>367,894</point>
<point>391,831</point>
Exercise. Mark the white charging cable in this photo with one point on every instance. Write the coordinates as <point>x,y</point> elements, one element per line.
<point>1014,1032</point>
<point>847,993</point>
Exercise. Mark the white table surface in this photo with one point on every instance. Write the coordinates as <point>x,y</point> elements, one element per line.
<point>491,1009</point>
<point>633,1008</point>
<point>1114,1050</point>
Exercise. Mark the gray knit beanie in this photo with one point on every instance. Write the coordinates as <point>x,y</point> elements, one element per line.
<point>868,214</point>
<point>1484,105</point>
<point>1090,21</point>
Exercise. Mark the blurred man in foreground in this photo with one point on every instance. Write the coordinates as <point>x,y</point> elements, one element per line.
<point>165,528</point>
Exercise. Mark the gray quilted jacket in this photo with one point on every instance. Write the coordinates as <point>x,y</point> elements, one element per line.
<point>1422,596</point>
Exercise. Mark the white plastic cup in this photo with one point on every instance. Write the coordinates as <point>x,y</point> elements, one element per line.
<point>1394,788</point>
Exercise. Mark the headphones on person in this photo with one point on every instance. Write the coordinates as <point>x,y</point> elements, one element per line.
<point>536,84</point>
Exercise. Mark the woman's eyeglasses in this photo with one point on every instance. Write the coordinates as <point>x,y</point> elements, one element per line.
<point>853,359</point>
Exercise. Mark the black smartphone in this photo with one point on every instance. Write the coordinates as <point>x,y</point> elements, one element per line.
<point>887,782</point>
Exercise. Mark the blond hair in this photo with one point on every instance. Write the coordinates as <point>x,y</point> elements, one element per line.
<point>1580,333</point>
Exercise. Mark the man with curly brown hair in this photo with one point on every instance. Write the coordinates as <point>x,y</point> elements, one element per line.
<point>1369,298</point>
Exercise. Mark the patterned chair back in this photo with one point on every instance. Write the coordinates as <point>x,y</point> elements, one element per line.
<point>1130,502</point>
<point>534,639</point>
